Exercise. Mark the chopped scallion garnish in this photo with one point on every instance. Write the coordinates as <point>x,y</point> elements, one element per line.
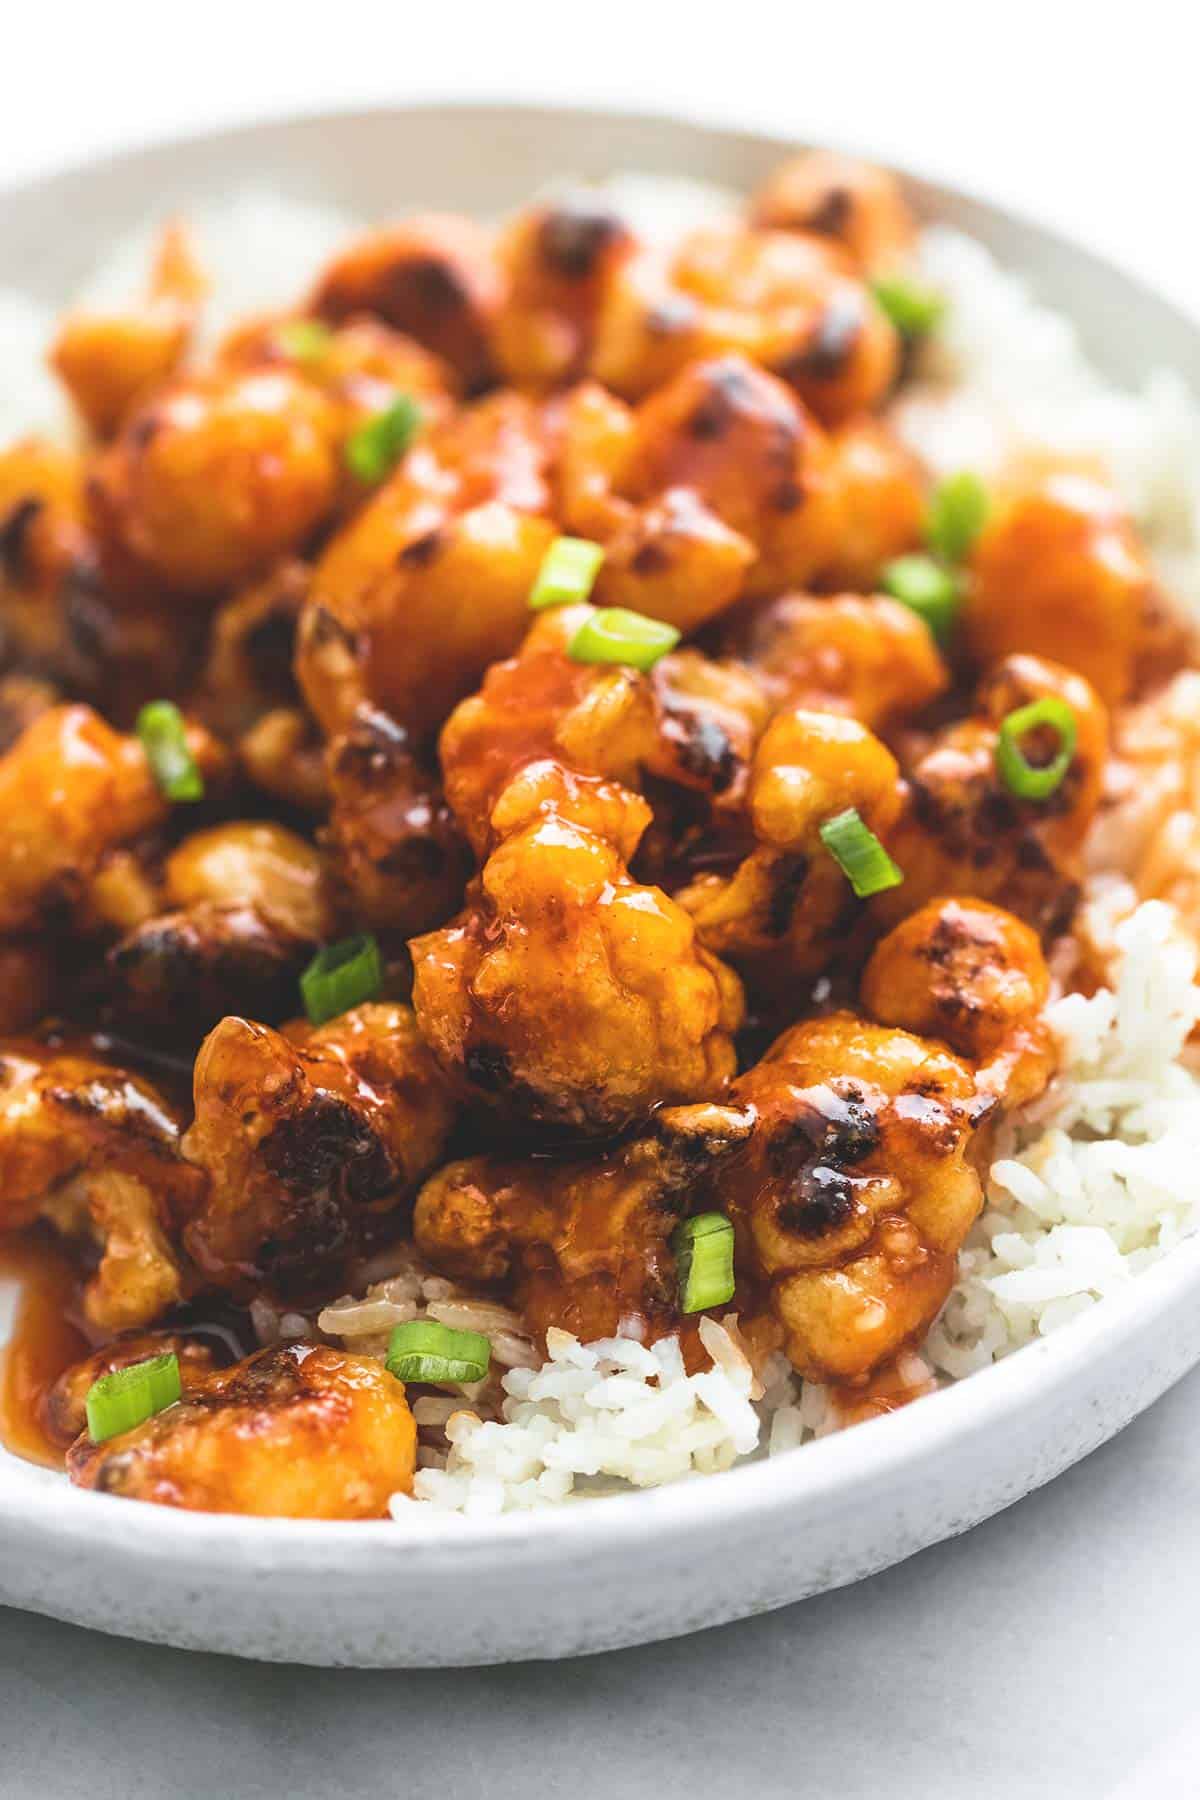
<point>927,589</point>
<point>958,508</point>
<point>913,307</point>
<point>703,1249</point>
<point>374,449</point>
<point>859,854</point>
<point>616,635</point>
<point>341,976</point>
<point>1036,781</point>
<point>305,340</point>
<point>163,733</point>
<point>568,570</point>
<point>423,1350</point>
<point>125,1397</point>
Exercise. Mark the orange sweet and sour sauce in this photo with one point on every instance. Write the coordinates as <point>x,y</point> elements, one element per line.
<point>41,1344</point>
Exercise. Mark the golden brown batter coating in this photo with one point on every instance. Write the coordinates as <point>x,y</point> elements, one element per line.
<point>857,1188</point>
<point>568,993</point>
<point>303,1134</point>
<point>95,1150</point>
<point>433,277</point>
<point>557,260</point>
<point>299,1431</point>
<point>582,1244</point>
<point>1058,573</point>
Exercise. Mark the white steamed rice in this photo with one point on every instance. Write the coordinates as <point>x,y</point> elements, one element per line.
<point>1087,1189</point>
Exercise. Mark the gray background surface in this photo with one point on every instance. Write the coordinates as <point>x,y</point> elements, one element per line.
<point>1049,1653</point>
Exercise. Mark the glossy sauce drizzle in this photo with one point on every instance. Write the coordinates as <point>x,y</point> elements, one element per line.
<point>42,1343</point>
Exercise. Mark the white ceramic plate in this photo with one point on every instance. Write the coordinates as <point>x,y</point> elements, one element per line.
<point>631,1569</point>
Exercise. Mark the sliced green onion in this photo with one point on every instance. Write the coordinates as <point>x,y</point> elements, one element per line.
<point>859,854</point>
<point>423,1350</point>
<point>957,510</point>
<point>913,307</point>
<point>305,340</point>
<point>378,445</point>
<point>703,1249</point>
<point>1034,781</point>
<point>123,1398</point>
<point>616,635</point>
<point>567,573</point>
<point>341,976</point>
<point>927,589</point>
<point>164,739</point>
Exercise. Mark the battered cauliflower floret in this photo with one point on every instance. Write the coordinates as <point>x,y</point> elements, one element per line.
<point>95,1151</point>
<point>787,908</point>
<point>71,791</point>
<point>870,658</point>
<point>430,582</point>
<point>567,992</point>
<point>557,260</point>
<point>433,277</point>
<point>850,204</point>
<point>1058,572</point>
<point>360,366</point>
<point>394,848</point>
<point>110,361</point>
<point>299,1431</point>
<point>304,1134</point>
<point>790,303</point>
<point>856,1190</point>
<point>975,977</point>
<point>62,1412</point>
<point>218,475</point>
<point>582,1245</point>
<point>963,831</point>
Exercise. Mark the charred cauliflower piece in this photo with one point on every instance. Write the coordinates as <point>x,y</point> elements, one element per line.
<point>582,1244</point>
<point>849,204</point>
<point>303,1135</point>
<point>63,1410</point>
<point>297,1432</point>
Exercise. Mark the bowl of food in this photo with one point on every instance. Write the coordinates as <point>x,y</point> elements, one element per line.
<point>599,751</point>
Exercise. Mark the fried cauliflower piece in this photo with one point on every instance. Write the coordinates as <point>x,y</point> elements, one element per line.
<point>216,476</point>
<point>582,1245</point>
<point>430,582</point>
<point>787,906</point>
<point>94,1150</point>
<point>303,1135</point>
<point>856,1189</point>
<point>962,831</point>
<point>870,658</point>
<point>71,791</point>
<point>850,204</point>
<point>299,1431</point>
<point>1058,572</point>
<point>789,303</point>
<point>62,1412</point>
<point>557,260</point>
<point>433,277</point>
<point>567,992</point>
<point>360,365</point>
<point>393,845</point>
<point>975,977</point>
<point>110,361</point>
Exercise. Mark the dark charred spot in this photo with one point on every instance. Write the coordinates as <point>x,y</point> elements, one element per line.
<point>487,1066</point>
<point>787,881</point>
<point>432,282</point>
<point>327,1145</point>
<point>14,535</point>
<point>575,235</point>
<point>90,626</point>
<point>269,647</point>
<point>827,353</point>
<point>145,429</point>
<point>787,497</point>
<point>831,214</point>
<point>702,749</point>
<point>421,552</point>
<point>326,628</point>
<point>417,859</point>
<point>650,558</point>
<point>834,1123</point>
<point>820,1201</point>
